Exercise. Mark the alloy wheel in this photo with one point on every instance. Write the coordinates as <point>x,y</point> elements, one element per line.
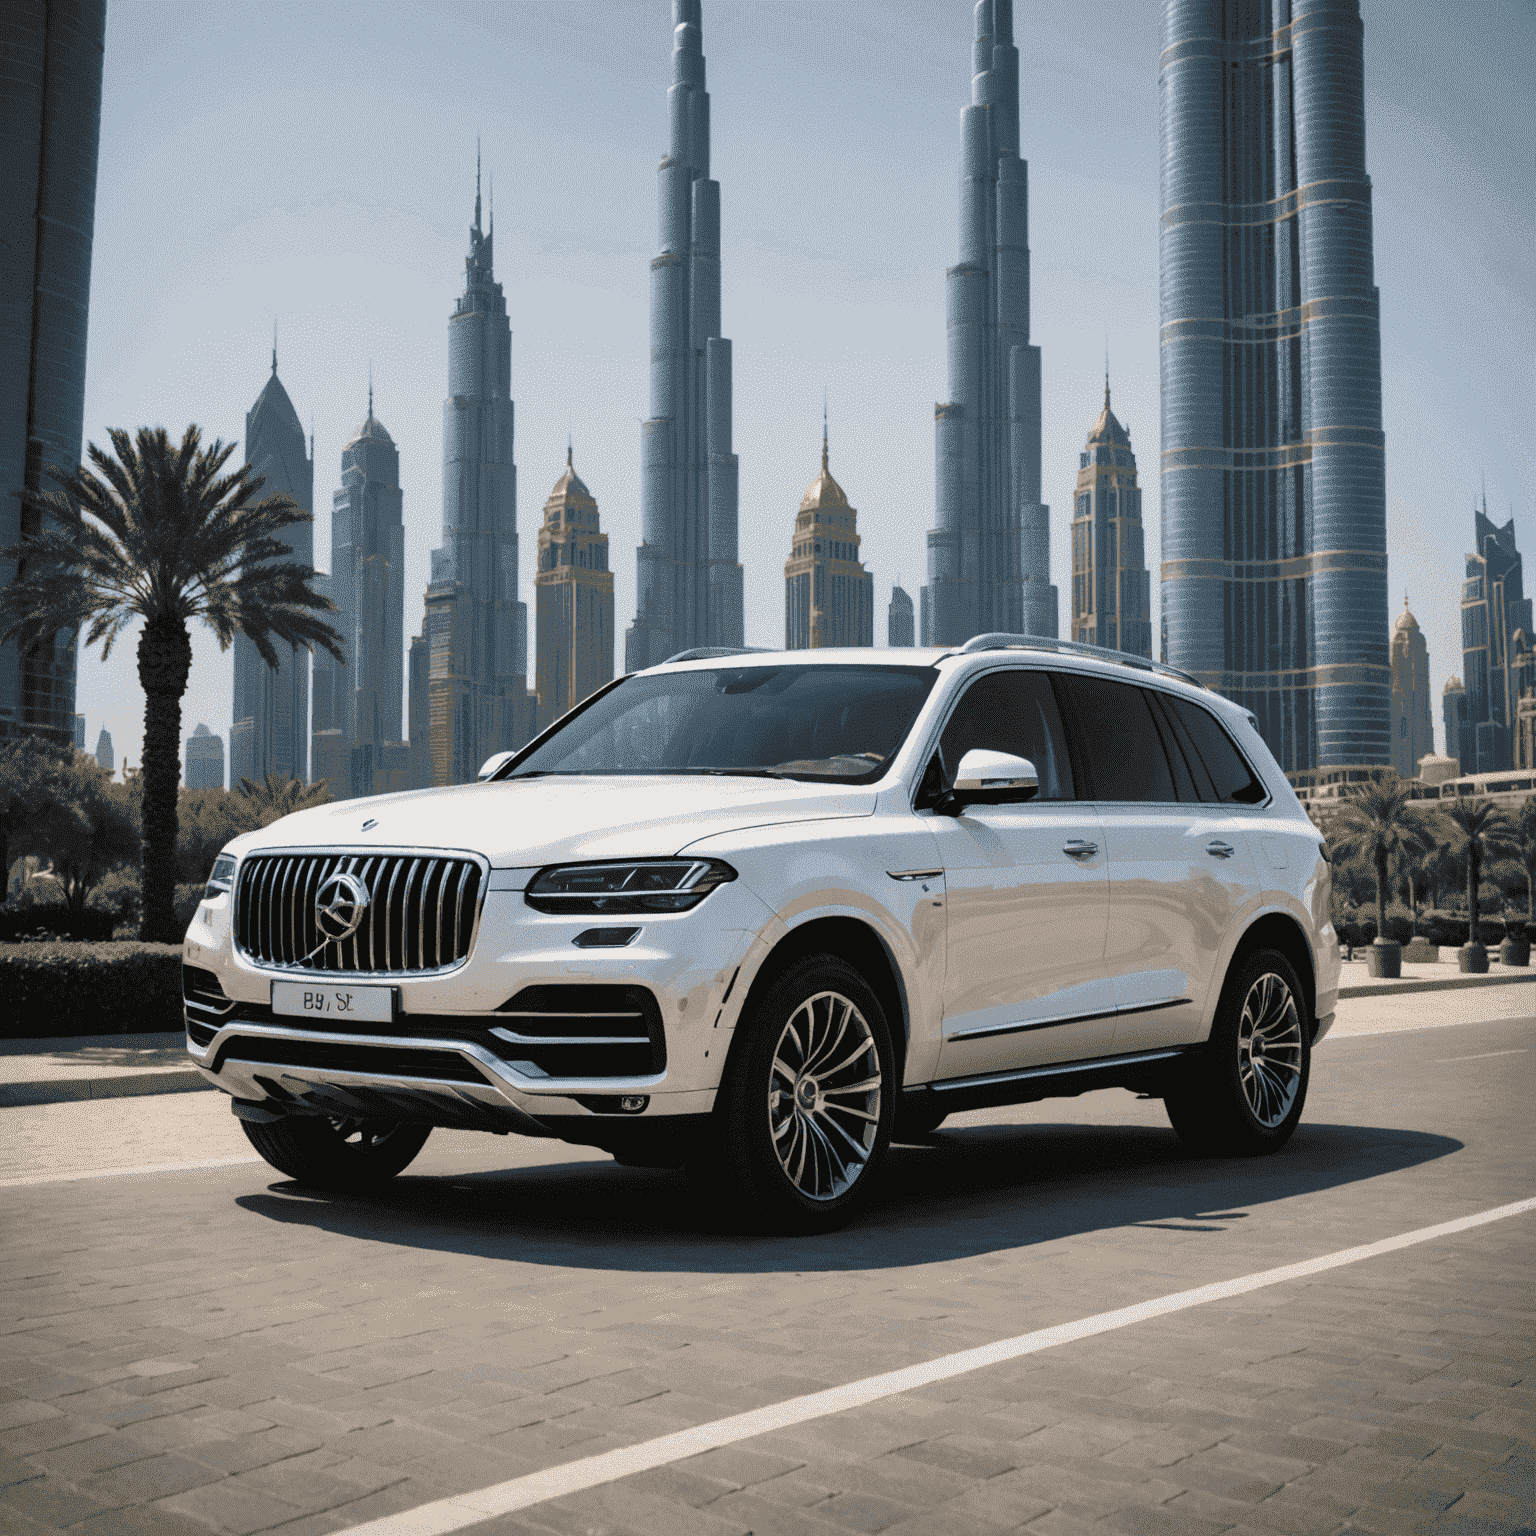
<point>1269,1049</point>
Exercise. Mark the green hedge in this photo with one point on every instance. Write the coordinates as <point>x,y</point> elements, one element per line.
<point>64,988</point>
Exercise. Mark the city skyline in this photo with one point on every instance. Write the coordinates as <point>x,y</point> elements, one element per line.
<point>579,352</point>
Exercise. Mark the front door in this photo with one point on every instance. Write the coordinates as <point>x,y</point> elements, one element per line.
<point>1027,895</point>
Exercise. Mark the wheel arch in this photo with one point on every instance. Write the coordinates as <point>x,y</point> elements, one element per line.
<point>1277,930</point>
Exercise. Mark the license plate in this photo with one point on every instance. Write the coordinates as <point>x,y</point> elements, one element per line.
<point>309,999</point>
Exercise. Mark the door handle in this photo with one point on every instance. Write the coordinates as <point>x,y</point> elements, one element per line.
<point>1219,850</point>
<point>1079,848</point>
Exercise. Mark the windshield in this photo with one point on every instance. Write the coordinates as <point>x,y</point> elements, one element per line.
<point>838,724</point>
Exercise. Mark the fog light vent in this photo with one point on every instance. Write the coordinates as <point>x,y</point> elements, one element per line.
<point>604,938</point>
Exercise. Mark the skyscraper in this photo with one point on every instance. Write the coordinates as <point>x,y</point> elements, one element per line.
<point>1493,607</point>
<point>418,705</point>
<point>50,125</point>
<point>275,700</point>
<point>573,593</point>
<point>1274,574</point>
<point>1111,587</point>
<point>829,598</point>
<point>687,577</point>
<point>475,626</point>
<point>205,760</point>
<point>989,555</point>
<point>899,628</point>
<point>104,749</point>
<point>1413,733</point>
<point>362,699</point>
<point>79,724</point>
<point>1453,714</point>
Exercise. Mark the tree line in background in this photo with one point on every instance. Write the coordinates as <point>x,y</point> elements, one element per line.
<point>70,839</point>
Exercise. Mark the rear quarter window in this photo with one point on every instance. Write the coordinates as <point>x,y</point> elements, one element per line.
<point>1233,781</point>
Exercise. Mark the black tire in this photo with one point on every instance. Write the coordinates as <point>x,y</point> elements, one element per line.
<point>832,1130</point>
<point>337,1154</point>
<point>1244,1095</point>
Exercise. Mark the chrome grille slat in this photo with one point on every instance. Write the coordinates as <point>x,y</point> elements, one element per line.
<point>430,901</point>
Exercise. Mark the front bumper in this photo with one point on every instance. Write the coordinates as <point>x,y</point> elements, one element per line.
<point>451,1057</point>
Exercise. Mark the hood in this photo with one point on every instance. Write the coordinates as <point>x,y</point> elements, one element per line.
<point>539,821</point>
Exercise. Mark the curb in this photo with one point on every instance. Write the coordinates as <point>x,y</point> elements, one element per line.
<point>69,1090</point>
<point>1438,984</point>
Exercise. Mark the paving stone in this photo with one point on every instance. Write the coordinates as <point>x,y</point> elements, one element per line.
<point>1141,1521</point>
<point>227,1506</point>
<point>754,1511</point>
<point>964,1454</point>
<point>139,1482</point>
<point>48,1500</point>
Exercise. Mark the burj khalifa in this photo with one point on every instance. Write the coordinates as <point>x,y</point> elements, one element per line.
<point>688,575</point>
<point>989,556</point>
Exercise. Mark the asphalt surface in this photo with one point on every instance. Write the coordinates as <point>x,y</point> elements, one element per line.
<point>196,1344</point>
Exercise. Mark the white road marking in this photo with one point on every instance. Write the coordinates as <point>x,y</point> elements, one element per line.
<point>120,1173</point>
<point>1484,1056</point>
<point>465,1509</point>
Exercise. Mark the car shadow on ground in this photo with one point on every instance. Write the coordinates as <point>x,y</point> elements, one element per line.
<point>966,1192</point>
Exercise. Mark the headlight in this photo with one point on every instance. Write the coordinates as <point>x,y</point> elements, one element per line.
<point>222,877</point>
<point>639,886</point>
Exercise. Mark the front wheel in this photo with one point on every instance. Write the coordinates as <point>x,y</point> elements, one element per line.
<point>337,1153</point>
<point>803,1117</point>
<point>1244,1096</point>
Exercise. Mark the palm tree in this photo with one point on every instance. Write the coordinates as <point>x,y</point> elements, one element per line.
<point>1374,824</point>
<point>1479,830</point>
<point>162,536</point>
<point>1525,838</point>
<point>278,796</point>
<point>1424,872</point>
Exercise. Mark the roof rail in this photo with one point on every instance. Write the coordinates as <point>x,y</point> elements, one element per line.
<point>705,652</point>
<point>1004,642</point>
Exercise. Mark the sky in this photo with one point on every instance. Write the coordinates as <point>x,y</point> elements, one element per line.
<point>314,163</point>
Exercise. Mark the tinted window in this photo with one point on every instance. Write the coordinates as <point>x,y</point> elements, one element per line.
<point>1231,777</point>
<point>1189,775</point>
<point>1118,750</point>
<point>833,723</point>
<point>1011,712</point>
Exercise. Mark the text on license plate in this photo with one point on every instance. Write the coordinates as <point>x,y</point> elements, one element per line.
<point>370,1005</point>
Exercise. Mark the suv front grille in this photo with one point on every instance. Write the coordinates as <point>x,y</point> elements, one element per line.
<point>421,914</point>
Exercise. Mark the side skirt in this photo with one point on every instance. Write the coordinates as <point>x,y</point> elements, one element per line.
<point>1149,1072</point>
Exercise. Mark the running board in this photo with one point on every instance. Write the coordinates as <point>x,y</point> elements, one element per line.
<point>1145,1072</point>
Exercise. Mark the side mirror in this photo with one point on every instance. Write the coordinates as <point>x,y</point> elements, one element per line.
<point>990,778</point>
<point>492,763</point>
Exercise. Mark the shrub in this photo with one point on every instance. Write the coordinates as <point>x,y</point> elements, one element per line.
<point>1399,928</point>
<point>89,989</point>
<point>55,920</point>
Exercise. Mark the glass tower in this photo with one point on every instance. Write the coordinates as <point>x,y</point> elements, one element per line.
<point>1274,573</point>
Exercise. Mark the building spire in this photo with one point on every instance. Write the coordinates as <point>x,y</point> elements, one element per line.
<point>370,389</point>
<point>477,183</point>
<point>823,431</point>
<point>274,346</point>
<point>568,463</point>
<point>1106,373</point>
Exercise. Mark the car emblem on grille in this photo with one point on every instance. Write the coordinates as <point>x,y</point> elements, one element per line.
<point>341,904</point>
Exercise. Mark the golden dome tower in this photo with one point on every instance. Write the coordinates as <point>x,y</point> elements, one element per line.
<point>829,598</point>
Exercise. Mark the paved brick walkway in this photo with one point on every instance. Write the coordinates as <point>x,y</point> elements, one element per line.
<point>219,1351</point>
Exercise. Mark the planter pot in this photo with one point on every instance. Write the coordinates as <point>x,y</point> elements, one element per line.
<point>1515,951</point>
<point>1421,952</point>
<point>1472,959</point>
<point>1385,959</point>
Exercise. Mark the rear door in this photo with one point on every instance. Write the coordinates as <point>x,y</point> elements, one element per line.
<point>1180,870</point>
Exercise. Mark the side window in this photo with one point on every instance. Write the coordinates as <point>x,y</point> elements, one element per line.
<point>1118,751</point>
<point>1011,712</point>
<point>1231,777</point>
<point>1189,775</point>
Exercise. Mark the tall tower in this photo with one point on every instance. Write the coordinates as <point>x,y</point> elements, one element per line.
<point>1111,587</point>
<point>1274,574</point>
<point>1453,715</point>
<point>899,629</point>
<point>688,579</point>
<point>1493,607</point>
<point>475,626</point>
<point>362,700</point>
<point>50,125</point>
<point>205,760</point>
<point>573,595</point>
<point>829,598</point>
<point>275,701</point>
<point>989,556</point>
<point>1413,734</point>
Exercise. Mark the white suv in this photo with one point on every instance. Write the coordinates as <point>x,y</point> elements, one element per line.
<point>756,914</point>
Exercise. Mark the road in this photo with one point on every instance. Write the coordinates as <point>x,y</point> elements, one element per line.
<point>196,1344</point>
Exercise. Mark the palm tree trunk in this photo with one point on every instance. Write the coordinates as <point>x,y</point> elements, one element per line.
<point>165,659</point>
<point>1381,893</point>
<point>1474,863</point>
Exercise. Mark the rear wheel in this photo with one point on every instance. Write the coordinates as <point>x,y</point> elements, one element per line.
<point>337,1153</point>
<point>1244,1095</point>
<point>803,1117</point>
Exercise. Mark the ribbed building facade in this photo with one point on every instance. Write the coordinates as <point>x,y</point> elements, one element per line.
<point>829,597</point>
<point>899,626</point>
<point>50,125</point>
<point>1111,586</point>
<point>475,627</point>
<point>1413,732</point>
<point>204,761</point>
<point>989,553</point>
<point>1274,556</point>
<point>688,578</point>
<point>573,599</point>
<point>362,699</point>
<point>271,704</point>
<point>1453,715</point>
<point>1494,609</point>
